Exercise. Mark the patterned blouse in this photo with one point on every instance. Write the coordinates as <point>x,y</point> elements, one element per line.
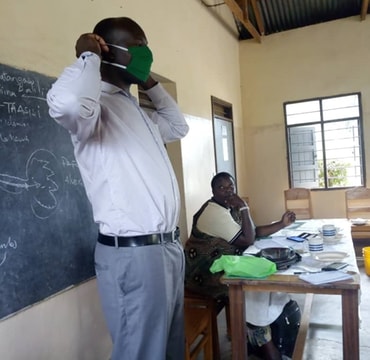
<point>202,249</point>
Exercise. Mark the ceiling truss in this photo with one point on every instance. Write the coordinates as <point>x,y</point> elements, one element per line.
<point>240,9</point>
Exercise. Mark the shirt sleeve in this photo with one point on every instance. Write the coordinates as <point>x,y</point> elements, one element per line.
<point>168,116</point>
<point>217,221</point>
<point>73,99</point>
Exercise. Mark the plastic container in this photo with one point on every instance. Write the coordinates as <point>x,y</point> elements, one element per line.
<point>366,256</point>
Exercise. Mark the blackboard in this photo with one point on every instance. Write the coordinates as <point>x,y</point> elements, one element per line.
<point>47,234</point>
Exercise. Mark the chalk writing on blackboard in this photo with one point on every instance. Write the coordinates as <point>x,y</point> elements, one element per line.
<point>47,236</point>
<point>4,249</point>
<point>40,180</point>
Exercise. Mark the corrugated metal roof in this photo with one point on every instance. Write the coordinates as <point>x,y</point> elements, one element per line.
<point>282,15</point>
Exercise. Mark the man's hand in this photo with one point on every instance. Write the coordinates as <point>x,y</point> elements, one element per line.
<point>90,42</point>
<point>149,83</point>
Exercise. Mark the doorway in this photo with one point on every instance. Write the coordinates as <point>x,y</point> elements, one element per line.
<point>223,134</point>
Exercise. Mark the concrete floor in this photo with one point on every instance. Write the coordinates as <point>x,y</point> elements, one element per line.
<point>324,342</point>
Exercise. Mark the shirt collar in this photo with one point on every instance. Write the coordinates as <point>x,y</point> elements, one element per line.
<point>113,89</point>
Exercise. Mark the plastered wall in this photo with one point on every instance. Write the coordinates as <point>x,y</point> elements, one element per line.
<point>321,60</point>
<point>197,50</point>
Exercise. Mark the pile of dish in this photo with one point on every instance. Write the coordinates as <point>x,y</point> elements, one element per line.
<point>358,221</point>
<point>332,240</point>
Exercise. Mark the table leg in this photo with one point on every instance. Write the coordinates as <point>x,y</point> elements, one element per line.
<point>350,324</point>
<point>238,324</point>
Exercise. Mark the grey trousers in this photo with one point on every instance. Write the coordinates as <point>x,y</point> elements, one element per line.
<point>142,295</point>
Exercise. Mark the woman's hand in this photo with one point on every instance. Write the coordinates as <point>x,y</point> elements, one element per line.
<point>288,218</point>
<point>235,202</point>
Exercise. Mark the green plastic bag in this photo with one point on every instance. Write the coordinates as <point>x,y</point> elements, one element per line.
<point>243,266</point>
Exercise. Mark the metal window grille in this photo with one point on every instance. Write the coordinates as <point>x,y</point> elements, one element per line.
<point>324,142</point>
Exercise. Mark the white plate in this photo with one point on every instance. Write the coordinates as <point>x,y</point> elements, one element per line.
<point>358,221</point>
<point>330,255</point>
<point>334,240</point>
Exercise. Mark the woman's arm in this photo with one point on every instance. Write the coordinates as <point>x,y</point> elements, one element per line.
<point>248,233</point>
<point>266,230</point>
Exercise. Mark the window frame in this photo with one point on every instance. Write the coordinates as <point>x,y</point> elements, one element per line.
<point>321,123</point>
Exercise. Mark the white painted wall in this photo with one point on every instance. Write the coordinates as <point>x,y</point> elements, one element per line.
<point>192,48</point>
<point>68,326</point>
<point>322,60</point>
<point>200,53</point>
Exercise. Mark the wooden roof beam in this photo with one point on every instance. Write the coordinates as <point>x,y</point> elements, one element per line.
<point>364,7</point>
<point>239,14</point>
<point>258,16</point>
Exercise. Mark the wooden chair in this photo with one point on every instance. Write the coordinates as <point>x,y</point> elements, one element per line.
<point>299,201</point>
<point>358,203</point>
<point>358,206</point>
<point>214,309</point>
<point>198,330</point>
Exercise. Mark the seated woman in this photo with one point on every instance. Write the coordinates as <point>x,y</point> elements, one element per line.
<point>223,226</point>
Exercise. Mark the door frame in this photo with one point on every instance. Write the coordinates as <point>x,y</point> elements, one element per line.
<point>223,110</point>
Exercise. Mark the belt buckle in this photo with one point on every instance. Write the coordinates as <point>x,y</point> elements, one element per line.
<point>170,236</point>
<point>164,235</point>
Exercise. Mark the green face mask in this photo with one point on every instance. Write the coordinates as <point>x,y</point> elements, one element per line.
<point>140,63</point>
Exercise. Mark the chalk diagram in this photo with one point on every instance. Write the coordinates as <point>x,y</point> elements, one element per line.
<point>41,181</point>
<point>10,244</point>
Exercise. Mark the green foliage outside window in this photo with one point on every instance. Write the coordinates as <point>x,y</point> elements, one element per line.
<point>336,174</point>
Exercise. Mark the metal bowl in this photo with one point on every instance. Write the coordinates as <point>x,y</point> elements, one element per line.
<point>278,253</point>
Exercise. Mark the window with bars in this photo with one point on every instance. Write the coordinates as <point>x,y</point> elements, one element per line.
<point>324,142</point>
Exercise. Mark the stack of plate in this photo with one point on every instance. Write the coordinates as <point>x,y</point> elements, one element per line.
<point>359,221</point>
<point>332,239</point>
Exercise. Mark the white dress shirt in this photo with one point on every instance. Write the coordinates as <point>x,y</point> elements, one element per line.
<point>120,151</point>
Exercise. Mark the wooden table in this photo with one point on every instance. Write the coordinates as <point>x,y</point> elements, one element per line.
<point>349,291</point>
<point>361,238</point>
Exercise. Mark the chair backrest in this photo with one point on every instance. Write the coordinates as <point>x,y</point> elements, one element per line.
<point>358,203</point>
<point>299,201</point>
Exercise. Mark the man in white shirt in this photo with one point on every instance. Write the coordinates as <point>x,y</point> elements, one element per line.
<point>223,226</point>
<point>131,185</point>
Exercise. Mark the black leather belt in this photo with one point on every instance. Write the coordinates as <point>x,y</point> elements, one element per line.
<point>142,240</point>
